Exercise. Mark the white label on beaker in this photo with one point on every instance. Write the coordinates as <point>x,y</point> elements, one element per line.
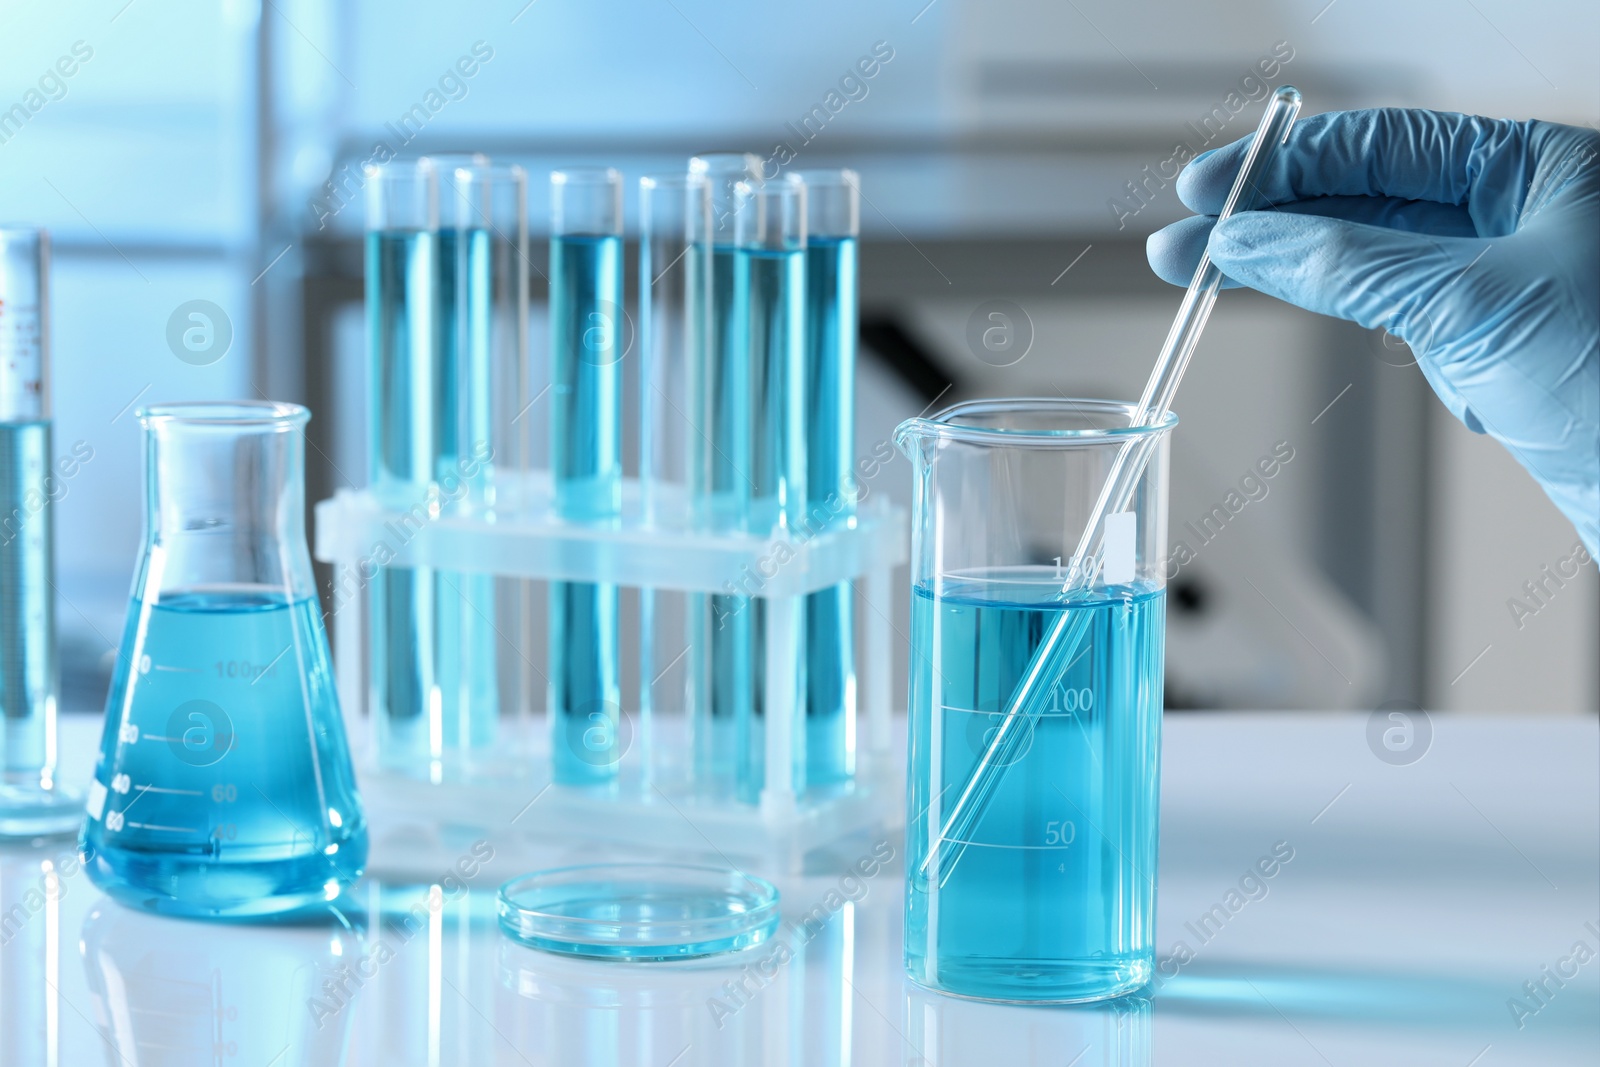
<point>1122,534</point>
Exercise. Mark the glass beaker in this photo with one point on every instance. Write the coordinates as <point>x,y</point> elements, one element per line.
<point>224,787</point>
<point>1047,891</point>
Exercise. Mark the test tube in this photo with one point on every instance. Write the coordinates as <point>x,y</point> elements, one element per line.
<point>674,287</point>
<point>720,653</point>
<point>31,804</point>
<point>483,300</point>
<point>770,233</point>
<point>402,247</point>
<point>586,464</point>
<point>833,225</point>
<point>432,291</point>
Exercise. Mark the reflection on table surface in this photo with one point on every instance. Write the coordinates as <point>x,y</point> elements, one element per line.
<point>1421,905</point>
<point>418,978</point>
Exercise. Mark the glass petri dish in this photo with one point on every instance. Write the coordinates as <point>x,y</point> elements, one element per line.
<point>638,911</point>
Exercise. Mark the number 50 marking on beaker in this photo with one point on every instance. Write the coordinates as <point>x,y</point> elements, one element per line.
<point>199,733</point>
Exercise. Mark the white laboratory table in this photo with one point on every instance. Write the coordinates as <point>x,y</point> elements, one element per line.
<point>1420,901</point>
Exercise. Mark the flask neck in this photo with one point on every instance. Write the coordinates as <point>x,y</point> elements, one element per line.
<point>225,499</point>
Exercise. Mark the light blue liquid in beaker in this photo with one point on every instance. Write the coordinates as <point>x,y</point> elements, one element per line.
<point>1045,901</point>
<point>224,787</point>
<point>586,351</point>
<point>830,328</point>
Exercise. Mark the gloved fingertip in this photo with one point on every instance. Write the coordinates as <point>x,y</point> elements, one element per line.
<point>1195,189</point>
<point>1205,180</point>
<point>1245,232</point>
<point>1173,251</point>
<point>1159,250</point>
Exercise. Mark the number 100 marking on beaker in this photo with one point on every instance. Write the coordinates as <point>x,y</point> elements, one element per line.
<point>1066,700</point>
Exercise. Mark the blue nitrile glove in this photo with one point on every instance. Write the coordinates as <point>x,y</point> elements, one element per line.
<point>1476,241</point>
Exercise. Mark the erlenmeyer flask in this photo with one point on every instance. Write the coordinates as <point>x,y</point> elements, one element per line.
<point>224,787</point>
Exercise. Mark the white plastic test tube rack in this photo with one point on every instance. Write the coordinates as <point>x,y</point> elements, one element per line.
<point>418,826</point>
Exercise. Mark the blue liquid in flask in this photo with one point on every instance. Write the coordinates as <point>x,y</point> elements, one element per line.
<point>586,346</point>
<point>1052,897</point>
<point>224,787</point>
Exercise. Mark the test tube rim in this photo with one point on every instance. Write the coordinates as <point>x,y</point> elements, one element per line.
<point>942,424</point>
<point>421,174</point>
<point>490,171</point>
<point>605,182</point>
<point>823,186</point>
<point>466,184</point>
<point>452,160</point>
<point>276,415</point>
<point>709,163</point>
<point>771,232</point>
<point>826,176</point>
<point>585,175</point>
<point>674,179</point>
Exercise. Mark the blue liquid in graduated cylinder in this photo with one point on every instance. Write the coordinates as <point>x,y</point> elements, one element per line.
<point>777,475</point>
<point>1053,898</point>
<point>725,665</point>
<point>586,462</point>
<point>433,643</point>
<point>27,603</point>
<point>224,787</point>
<point>830,331</point>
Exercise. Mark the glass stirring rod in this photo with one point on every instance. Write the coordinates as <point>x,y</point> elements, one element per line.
<point>1060,643</point>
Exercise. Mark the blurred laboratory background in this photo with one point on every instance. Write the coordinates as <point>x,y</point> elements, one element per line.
<point>1014,155</point>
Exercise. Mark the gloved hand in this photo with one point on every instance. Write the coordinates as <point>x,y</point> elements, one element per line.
<point>1476,241</point>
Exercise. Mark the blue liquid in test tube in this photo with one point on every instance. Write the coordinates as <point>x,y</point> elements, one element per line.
<point>586,463</point>
<point>433,361</point>
<point>723,667</point>
<point>831,328</point>
<point>772,251</point>
<point>470,699</point>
